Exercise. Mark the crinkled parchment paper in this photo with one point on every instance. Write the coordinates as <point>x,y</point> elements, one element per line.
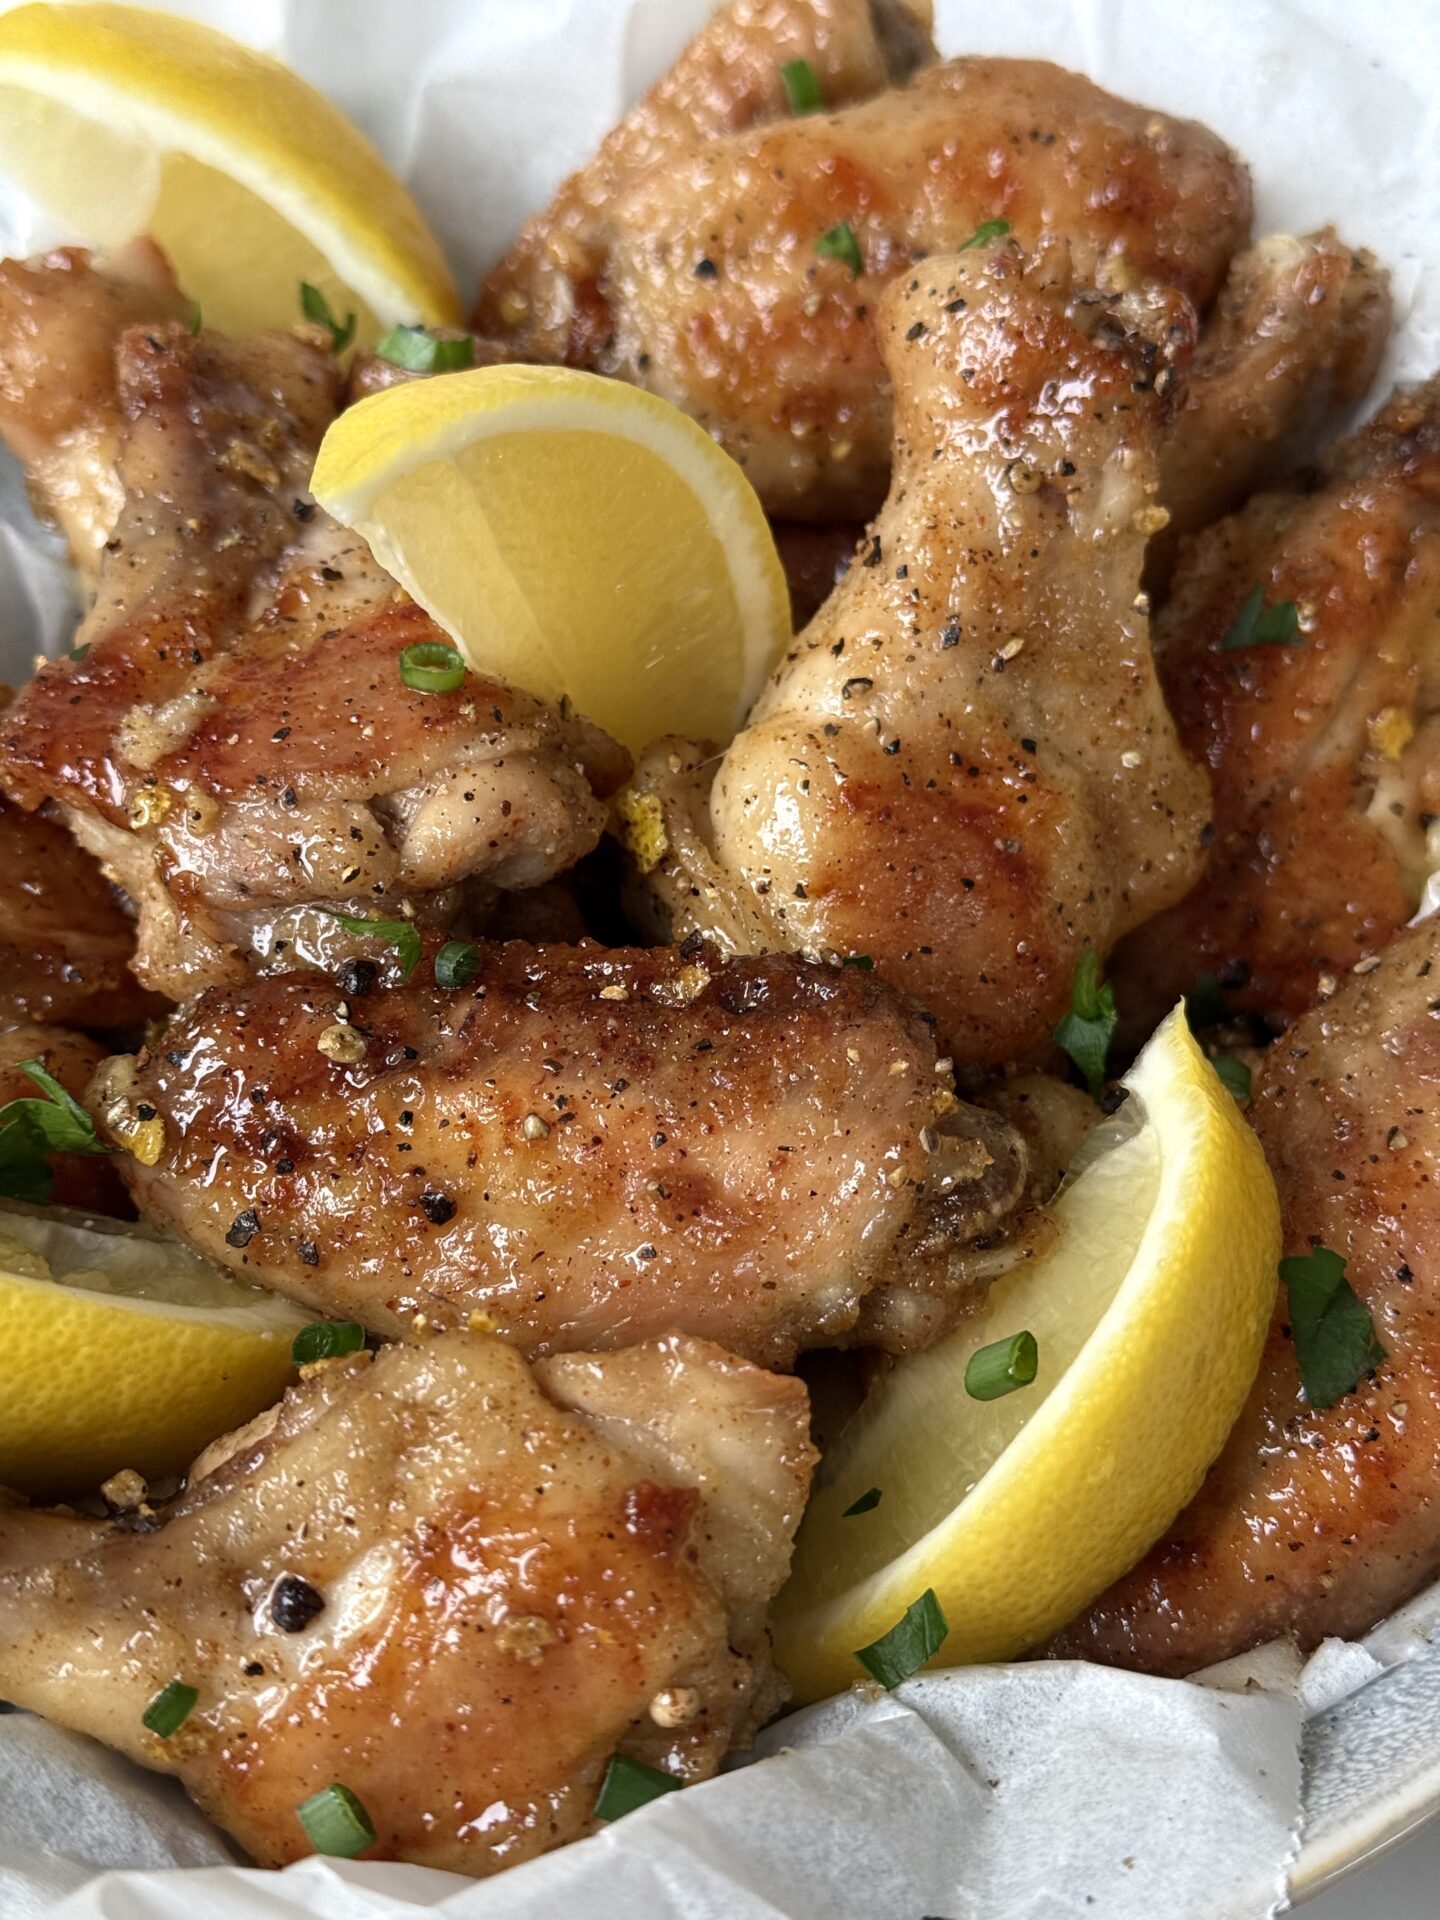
<point>1009,1792</point>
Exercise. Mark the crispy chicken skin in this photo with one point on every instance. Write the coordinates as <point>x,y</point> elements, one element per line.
<point>451,1585</point>
<point>964,768</point>
<point>82,1180</point>
<point>700,279</point>
<point>236,743</point>
<point>586,1147</point>
<point>1291,348</point>
<point>1325,755</point>
<point>1321,1523</point>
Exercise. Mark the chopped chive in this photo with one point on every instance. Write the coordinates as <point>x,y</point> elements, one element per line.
<point>867,1503</point>
<point>430,666</point>
<point>861,960</point>
<point>401,934</point>
<point>170,1709</point>
<point>629,1784</point>
<point>418,351</point>
<point>194,316</point>
<point>1088,1028</point>
<point>1258,625</point>
<point>840,244</point>
<point>326,1340</point>
<point>1334,1336</point>
<point>457,963</point>
<point>987,231</point>
<point>80,652</point>
<point>31,1130</point>
<point>1235,1076</point>
<point>316,307</point>
<point>336,1822</point>
<point>802,89</point>
<point>1000,1368</point>
<point>915,1638</point>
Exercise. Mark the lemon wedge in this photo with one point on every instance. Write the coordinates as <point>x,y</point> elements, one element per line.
<point>120,121</point>
<point>123,1350</point>
<point>573,535</point>
<point>1149,1311</point>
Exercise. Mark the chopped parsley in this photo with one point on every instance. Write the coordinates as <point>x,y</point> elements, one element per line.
<point>802,89</point>
<point>840,244</point>
<point>1088,1028</point>
<point>402,935</point>
<point>867,1503</point>
<point>31,1129</point>
<point>1334,1335</point>
<point>1259,625</point>
<point>915,1638</point>
<point>418,351</point>
<point>316,307</point>
<point>987,231</point>
<point>326,1340</point>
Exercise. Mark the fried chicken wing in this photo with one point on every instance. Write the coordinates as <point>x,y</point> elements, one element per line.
<point>1324,754</point>
<point>963,768</point>
<point>233,737</point>
<point>451,1585</point>
<point>82,1180</point>
<point>701,279</point>
<point>1317,1523</point>
<point>586,1147</point>
<point>1292,348</point>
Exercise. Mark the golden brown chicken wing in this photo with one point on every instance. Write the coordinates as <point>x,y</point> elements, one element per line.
<point>88,1181</point>
<point>739,275</point>
<point>1324,751</point>
<point>1320,1522</point>
<point>583,1146</point>
<point>963,768</point>
<point>445,1583</point>
<point>233,736</point>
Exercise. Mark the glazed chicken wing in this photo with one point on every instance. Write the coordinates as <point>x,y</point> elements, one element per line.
<point>1318,1523</point>
<point>1324,754</point>
<point>584,1148</point>
<point>701,278</point>
<point>439,1580</point>
<point>964,768</point>
<point>233,736</point>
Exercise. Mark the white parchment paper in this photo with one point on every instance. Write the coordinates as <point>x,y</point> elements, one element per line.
<point>1009,1792</point>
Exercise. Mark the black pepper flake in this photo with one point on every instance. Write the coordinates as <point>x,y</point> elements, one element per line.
<point>437,1207</point>
<point>294,1603</point>
<point>1028,746</point>
<point>175,1059</point>
<point>309,1253</point>
<point>284,1166</point>
<point>856,684</point>
<point>243,1229</point>
<point>304,509</point>
<point>950,634</point>
<point>144,1111</point>
<point>872,558</point>
<point>619,1086</point>
<point>914,333</point>
<point>357,978</point>
<point>894,746</point>
<point>647,1252</point>
<point>331,573</point>
<point>407,1118</point>
<point>706,270</point>
<point>289,798</point>
<point>253,1669</point>
<point>281,733</point>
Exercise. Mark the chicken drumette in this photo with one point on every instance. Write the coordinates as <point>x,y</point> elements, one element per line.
<point>584,1147</point>
<point>233,736</point>
<point>963,768</point>
<point>451,1585</point>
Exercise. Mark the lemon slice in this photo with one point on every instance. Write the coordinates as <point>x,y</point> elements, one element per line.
<point>573,535</point>
<point>120,121</point>
<point>123,1350</point>
<point>1149,1310</point>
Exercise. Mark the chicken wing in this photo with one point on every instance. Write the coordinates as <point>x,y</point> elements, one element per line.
<point>740,277</point>
<point>439,1580</point>
<point>233,737</point>
<point>88,1181</point>
<point>1290,350</point>
<point>964,768</point>
<point>585,1147</point>
<point>1324,754</point>
<point>1317,1523</point>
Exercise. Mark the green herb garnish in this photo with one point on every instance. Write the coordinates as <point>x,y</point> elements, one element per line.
<point>987,231</point>
<point>1235,1076</point>
<point>30,1129</point>
<point>194,316</point>
<point>994,1371</point>
<point>867,1503</point>
<point>629,1784</point>
<point>840,244</point>
<point>1258,625</point>
<point>430,666</point>
<point>457,963</point>
<point>401,934</point>
<point>316,307</point>
<point>326,1340</point>
<point>1088,1028</point>
<point>914,1639</point>
<point>802,89</point>
<point>418,351</point>
<point>1334,1335</point>
<point>170,1709</point>
<point>336,1822</point>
